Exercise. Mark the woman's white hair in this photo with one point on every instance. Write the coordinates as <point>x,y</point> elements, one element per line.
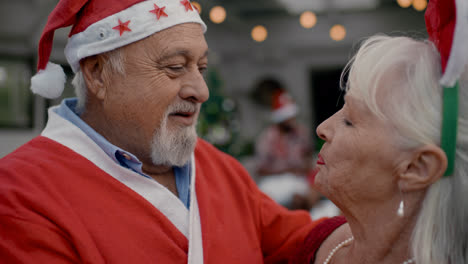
<point>114,63</point>
<point>407,73</point>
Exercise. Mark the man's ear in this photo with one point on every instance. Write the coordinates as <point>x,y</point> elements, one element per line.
<point>92,69</point>
<point>428,164</point>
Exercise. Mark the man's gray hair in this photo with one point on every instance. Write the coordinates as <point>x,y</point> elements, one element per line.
<point>407,72</point>
<point>114,63</point>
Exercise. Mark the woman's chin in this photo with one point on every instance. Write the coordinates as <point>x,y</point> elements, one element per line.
<point>317,182</point>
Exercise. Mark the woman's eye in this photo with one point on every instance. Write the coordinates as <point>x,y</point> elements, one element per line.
<point>347,122</point>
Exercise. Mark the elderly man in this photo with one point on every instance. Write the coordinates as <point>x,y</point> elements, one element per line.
<point>119,175</point>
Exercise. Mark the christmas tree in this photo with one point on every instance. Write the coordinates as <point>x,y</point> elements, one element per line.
<point>218,122</point>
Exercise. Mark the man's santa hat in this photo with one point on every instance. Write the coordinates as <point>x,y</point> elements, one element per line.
<point>284,107</point>
<point>447,26</point>
<point>100,26</point>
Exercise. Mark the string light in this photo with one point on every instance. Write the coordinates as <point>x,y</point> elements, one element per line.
<point>404,3</point>
<point>337,32</point>
<point>259,33</point>
<point>217,14</point>
<point>197,6</point>
<point>419,5</point>
<point>308,19</point>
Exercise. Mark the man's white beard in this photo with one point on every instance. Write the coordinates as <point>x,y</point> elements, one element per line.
<point>174,148</point>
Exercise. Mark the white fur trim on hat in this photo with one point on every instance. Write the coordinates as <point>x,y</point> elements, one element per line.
<point>458,58</point>
<point>284,113</point>
<point>49,82</point>
<point>100,37</point>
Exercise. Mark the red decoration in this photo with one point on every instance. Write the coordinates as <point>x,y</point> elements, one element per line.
<point>440,25</point>
<point>159,11</point>
<point>187,5</point>
<point>122,27</point>
<point>281,99</point>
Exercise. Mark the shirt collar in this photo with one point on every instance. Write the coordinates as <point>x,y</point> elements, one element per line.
<point>67,110</point>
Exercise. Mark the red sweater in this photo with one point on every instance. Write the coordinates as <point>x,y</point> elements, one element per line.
<point>58,207</point>
<point>307,252</point>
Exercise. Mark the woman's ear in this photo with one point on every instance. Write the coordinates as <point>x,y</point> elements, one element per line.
<point>92,69</point>
<point>428,164</point>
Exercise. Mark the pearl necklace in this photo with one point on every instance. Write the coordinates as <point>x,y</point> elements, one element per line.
<point>340,245</point>
<point>345,243</point>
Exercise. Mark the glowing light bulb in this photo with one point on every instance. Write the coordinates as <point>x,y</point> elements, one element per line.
<point>419,5</point>
<point>308,19</point>
<point>337,32</point>
<point>259,33</point>
<point>404,3</point>
<point>217,14</point>
<point>197,6</point>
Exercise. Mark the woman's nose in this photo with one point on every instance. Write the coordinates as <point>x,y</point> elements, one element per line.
<point>324,130</point>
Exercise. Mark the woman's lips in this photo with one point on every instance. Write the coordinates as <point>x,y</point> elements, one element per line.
<point>320,160</point>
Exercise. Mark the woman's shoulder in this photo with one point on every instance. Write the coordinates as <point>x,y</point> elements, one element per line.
<point>339,234</point>
<point>319,239</point>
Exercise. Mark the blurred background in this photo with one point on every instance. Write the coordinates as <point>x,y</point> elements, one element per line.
<point>303,44</point>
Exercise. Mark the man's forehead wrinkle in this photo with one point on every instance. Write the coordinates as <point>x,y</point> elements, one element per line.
<point>166,53</point>
<point>162,46</point>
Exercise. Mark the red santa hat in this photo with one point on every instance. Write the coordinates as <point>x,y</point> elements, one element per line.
<point>99,26</point>
<point>283,107</point>
<point>447,26</point>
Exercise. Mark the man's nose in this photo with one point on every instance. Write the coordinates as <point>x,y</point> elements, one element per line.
<point>195,88</point>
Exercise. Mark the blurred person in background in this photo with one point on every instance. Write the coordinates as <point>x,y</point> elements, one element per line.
<point>284,155</point>
<point>119,175</point>
<point>395,157</point>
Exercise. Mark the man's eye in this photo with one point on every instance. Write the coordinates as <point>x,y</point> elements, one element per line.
<point>175,68</point>
<point>202,69</point>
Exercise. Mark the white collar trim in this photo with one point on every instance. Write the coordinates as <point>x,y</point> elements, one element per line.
<point>65,133</point>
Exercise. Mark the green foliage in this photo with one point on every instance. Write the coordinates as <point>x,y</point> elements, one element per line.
<point>219,119</point>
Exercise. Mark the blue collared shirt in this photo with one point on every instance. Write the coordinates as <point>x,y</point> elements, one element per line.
<point>120,156</point>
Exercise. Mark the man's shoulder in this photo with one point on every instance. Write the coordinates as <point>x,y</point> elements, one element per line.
<point>210,159</point>
<point>205,148</point>
<point>203,144</point>
<point>39,154</point>
<point>30,172</point>
<point>30,149</point>
<point>209,153</point>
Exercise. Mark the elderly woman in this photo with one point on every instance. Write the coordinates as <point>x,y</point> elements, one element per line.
<point>381,163</point>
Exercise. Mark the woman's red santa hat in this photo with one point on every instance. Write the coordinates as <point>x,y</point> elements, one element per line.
<point>284,107</point>
<point>100,26</point>
<point>447,26</point>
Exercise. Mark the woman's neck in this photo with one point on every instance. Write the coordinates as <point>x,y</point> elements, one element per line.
<point>380,235</point>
